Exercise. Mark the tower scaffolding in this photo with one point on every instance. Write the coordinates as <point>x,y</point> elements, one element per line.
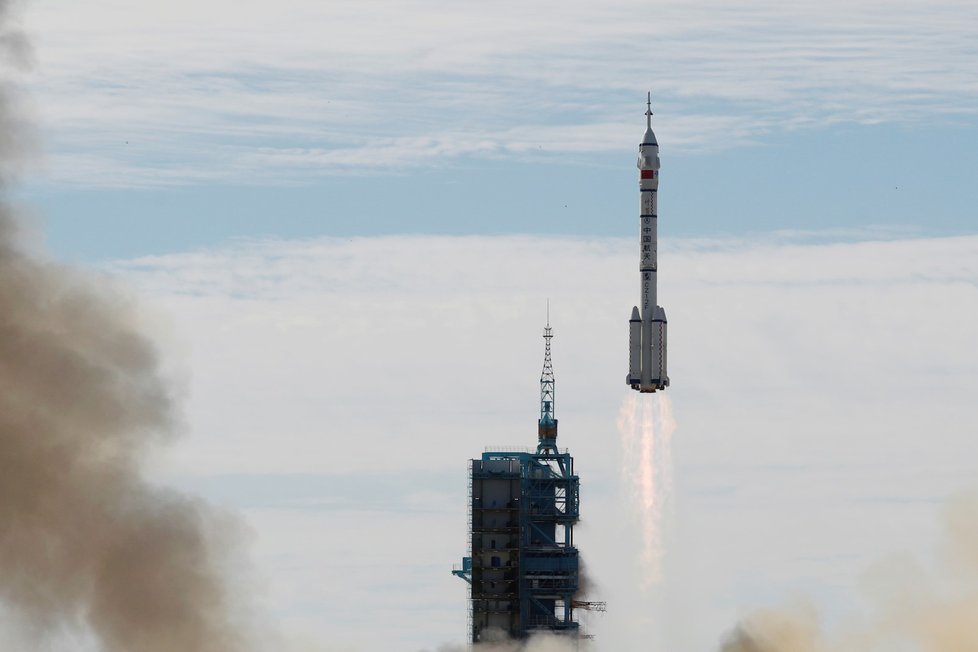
<point>523,567</point>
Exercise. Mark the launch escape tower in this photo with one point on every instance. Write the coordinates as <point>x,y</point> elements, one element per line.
<point>523,566</point>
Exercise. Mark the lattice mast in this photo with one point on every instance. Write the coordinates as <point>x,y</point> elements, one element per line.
<point>547,425</point>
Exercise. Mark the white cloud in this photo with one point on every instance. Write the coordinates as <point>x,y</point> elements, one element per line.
<point>261,90</point>
<point>823,393</point>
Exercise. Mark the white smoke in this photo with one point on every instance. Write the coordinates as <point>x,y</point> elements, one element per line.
<point>914,606</point>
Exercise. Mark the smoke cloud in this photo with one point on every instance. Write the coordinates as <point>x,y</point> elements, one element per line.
<point>541,642</point>
<point>86,544</point>
<point>914,607</point>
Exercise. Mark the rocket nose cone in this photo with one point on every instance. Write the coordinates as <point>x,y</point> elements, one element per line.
<point>649,138</point>
<point>635,314</point>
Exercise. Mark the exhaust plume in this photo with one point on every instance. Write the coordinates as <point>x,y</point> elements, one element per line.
<point>645,425</point>
<point>88,549</point>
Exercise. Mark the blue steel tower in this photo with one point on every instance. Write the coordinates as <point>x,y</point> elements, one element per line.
<point>523,565</point>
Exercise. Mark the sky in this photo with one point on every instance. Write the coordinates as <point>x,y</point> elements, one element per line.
<point>343,222</point>
<point>203,121</point>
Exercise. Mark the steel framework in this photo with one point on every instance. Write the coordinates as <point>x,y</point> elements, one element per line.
<point>523,567</point>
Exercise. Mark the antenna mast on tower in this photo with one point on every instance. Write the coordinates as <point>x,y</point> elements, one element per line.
<point>547,426</point>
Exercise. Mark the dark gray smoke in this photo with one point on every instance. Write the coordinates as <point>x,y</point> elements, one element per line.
<point>85,542</point>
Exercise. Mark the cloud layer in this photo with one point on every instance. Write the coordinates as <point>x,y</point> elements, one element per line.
<point>822,393</point>
<point>187,92</point>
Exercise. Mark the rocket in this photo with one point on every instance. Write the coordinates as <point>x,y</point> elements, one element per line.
<point>647,326</point>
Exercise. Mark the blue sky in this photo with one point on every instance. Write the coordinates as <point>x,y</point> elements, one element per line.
<point>911,179</point>
<point>166,127</point>
<point>342,222</point>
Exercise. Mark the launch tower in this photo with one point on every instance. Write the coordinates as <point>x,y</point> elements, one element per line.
<point>523,567</point>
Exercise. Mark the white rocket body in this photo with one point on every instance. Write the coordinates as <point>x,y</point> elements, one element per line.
<point>647,326</point>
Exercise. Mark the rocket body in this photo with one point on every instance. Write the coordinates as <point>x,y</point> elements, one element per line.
<point>647,325</point>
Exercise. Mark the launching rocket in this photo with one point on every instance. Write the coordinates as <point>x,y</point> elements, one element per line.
<point>647,326</point>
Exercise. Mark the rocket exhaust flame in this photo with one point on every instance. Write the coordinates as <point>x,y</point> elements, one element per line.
<point>645,425</point>
<point>86,542</point>
<point>649,500</point>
